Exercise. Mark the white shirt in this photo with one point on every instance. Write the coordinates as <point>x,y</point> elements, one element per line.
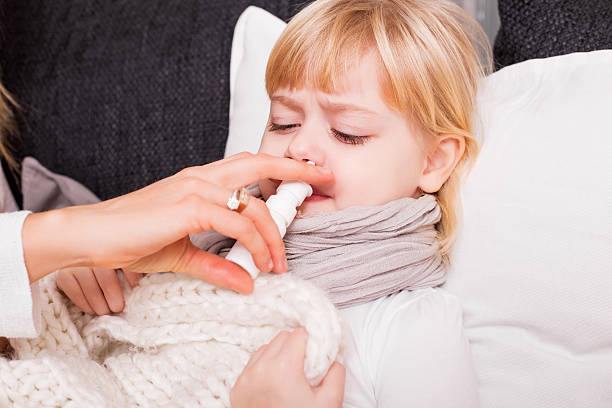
<point>19,308</point>
<point>409,350</point>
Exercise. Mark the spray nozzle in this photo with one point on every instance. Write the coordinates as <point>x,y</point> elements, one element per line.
<point>283,208</point>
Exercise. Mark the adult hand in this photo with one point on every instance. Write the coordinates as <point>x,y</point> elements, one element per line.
<point>148,230</point>
<point>274,377</point>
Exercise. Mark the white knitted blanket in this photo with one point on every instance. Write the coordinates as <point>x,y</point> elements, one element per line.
<point>180,342</point>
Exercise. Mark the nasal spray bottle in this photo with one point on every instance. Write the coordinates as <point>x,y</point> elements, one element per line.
<point>283,208</point>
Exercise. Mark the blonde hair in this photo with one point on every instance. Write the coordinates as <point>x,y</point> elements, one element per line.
<point>7,126</point>
<point>430,53</point>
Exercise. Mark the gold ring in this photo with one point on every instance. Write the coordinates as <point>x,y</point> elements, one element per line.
<point>238,200</point>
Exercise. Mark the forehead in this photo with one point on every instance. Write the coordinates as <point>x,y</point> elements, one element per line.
<point>360,76</point>
<point>356,85</point>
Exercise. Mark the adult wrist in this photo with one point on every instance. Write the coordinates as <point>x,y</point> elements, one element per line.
<point>51,241</point>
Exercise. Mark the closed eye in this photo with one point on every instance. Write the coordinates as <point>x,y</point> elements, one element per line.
<point>273,127</point>
<point>342,137</point>
<point>349,139</point>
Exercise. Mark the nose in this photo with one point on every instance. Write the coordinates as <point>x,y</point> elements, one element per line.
<point>305,145</point>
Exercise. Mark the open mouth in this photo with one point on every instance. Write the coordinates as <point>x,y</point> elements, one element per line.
<point>317,196</point>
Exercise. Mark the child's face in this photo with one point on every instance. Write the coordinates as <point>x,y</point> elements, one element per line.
<point>371,149</point>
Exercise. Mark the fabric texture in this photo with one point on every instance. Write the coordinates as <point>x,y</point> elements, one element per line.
<point>408,350</point>
<point>256,33</point>
<point>19,305</point>
<point>532,262</point>
<point>42,191</point>
<point>545,28</point>
<point>360,254</point>
<point>179,342</point>
<point>7,201</point>
<point>119,94</point>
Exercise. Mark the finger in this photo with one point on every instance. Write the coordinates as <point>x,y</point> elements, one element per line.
<point>215,270</point>
<point>109,283</point>
<point>91,290</point>
<point>197,170</point>
<point>255,357</point>
<point>250,168</point>
<point>257,211</point>
<point>234,225</point>
<point>240,155</point>
<point>132,278</point>
<point>330,393</point>
<point>70,286</point>
<point>277,344</point>
<point>295,346</point>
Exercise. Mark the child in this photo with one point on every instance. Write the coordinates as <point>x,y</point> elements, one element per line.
<point>380,92</point>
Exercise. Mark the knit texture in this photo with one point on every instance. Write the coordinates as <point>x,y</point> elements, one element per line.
<point>117,94</point>
<point>180,342</point>
<point>363,253</point>
<point>545,28</point>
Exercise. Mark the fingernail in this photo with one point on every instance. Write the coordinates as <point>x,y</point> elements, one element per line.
<point>270,265</point>
<point>324,170</point>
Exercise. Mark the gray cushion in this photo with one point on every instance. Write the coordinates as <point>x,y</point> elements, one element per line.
<point>545,28</point>
<point>117,94</point>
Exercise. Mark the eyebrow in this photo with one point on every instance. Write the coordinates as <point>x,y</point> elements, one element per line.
<point>334,107</point>
<point>288,102</point>
<point>342,107</point>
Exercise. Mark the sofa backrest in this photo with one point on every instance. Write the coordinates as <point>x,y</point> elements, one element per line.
<point>118,94</point>
<point>545,28</point>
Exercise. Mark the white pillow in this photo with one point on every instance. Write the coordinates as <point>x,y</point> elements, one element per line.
<point>533,261</point>
<point>255,33</point>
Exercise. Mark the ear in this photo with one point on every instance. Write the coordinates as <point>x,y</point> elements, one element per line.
<point>441,161</point>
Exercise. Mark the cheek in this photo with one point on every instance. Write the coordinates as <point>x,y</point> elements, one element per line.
<point>354,182</point>
<point>274,145</point>
<point>402,173</point>
<point>377,178</point>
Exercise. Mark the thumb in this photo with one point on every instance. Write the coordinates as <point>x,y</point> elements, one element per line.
<point>330,393</point>
<point>213,269</point>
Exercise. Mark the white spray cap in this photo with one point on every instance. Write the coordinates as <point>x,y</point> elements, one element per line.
<point>283,205</point>
<point>283,209</point>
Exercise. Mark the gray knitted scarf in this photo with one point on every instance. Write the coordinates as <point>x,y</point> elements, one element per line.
<point>362,253</point>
